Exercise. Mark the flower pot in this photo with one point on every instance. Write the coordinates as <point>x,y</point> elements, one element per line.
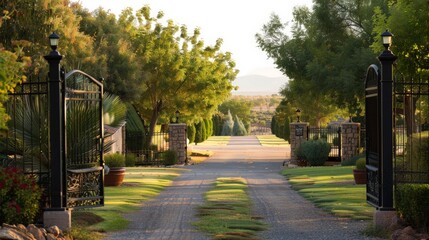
<point>115,177</point>
<point>360,176</point>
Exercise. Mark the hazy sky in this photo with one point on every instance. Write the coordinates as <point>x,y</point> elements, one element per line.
<point>235,21</point>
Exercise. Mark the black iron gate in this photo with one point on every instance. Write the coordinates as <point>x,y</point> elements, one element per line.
<point>83,96</point>
<point>372,123</point>
<point>26,143</point>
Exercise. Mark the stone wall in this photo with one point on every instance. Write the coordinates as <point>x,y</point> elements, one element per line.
<point>177,140</point>
<point>298,134</point>
<point>350,140</point>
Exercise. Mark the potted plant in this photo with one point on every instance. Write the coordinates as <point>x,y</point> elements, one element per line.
<point>116,164</point>
<point>359,172</point>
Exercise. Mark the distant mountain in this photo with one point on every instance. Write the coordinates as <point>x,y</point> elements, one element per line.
<point>252,85</point>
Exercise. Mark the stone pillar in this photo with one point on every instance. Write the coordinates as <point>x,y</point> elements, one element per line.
<point>350,140</point>
<point>177,141</point>
<point>61,219</point>
<point>298,134</point>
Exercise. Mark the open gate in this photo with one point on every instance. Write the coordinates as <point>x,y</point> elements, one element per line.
<point>372,123</point>
<point>84,132</point>
<point>26,143</point>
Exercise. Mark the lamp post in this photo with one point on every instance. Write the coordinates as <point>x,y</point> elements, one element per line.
<point>386,59</point>
<point>177,116</point>
<point>55,124</point>
<point>298,114</point>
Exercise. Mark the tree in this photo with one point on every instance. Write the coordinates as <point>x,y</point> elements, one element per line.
<point>326,57</point>
<point>238,128</point>
<point>175,68</point>
<point>217,124</point>
<point>191,133</point>
<point>408,21</point>
<point>286,129</point>
<point>198,133</point>
<point>228,124</point>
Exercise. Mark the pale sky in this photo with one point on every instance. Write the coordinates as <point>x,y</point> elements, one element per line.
<point>235,21</point>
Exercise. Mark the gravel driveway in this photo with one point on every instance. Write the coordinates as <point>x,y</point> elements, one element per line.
<point>288,215</point>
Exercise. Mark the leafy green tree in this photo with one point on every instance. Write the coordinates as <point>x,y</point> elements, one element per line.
<point>175,68</point>
<point>325,57</point>
<point>408,21</point>
<point>237,106</point>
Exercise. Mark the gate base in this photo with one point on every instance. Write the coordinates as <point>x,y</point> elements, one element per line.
<point>60,218</point>
<point>384,219</point>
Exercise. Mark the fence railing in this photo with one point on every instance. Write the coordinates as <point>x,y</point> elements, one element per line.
<point>152,155</point>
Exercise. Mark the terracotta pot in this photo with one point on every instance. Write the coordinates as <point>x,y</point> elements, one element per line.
<point>360,176</point>
<point>115,177</point>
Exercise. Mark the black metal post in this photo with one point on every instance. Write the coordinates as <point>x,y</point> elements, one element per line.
<point>55,129</point>
<point>386,59</point>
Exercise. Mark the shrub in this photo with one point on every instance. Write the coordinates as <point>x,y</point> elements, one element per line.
<point>361,164</point>
<point>411,204</point>
<point>130,160</point>
<point>299,153</point>
<point>352,161</point>
<point>114,160</point>
<point>19,197</point>
<point>169,158</point>
<point>316,152</point>
<point>191,133</point>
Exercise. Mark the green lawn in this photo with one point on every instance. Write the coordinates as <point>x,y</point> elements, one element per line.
<point>271,140</point>
<point>215,140</point>
<point>226,213</point>
<point>140,184</point>
<point>332,189</point>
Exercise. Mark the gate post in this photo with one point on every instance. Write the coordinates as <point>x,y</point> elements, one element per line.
<point>57,213</point>
<point>350,140</point>
<point>386,210</point>
<point>177,140</point>
<point>298,135</point>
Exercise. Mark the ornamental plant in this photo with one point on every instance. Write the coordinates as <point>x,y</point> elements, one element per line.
<point>19,196</point>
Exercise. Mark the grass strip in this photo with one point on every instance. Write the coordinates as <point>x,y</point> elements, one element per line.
<point>140,184</point>
<point>226,213</point>
<point>216,141</point>
<point>332,189</point>
<point>271,140</point>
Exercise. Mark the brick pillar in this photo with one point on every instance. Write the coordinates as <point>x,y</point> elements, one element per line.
<point>350,140</point>
<point>177,140</point>
<point>298,134</point>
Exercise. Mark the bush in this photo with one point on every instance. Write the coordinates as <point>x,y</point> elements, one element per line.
<point>114,160</point>
<point>316,152</point>
<point>411,204</point>
<point>300,156</point>
<point>19,197</point>
<point>352,161</point>
<point>130,160</point>
<point>361,164</point>
<point>170,158</point>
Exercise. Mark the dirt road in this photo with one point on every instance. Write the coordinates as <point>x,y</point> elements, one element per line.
<point>169,216</point>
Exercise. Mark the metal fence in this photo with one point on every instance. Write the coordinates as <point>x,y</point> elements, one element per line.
<point>331,135</point>
<point>152,155</point>
<point>411,130</point>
